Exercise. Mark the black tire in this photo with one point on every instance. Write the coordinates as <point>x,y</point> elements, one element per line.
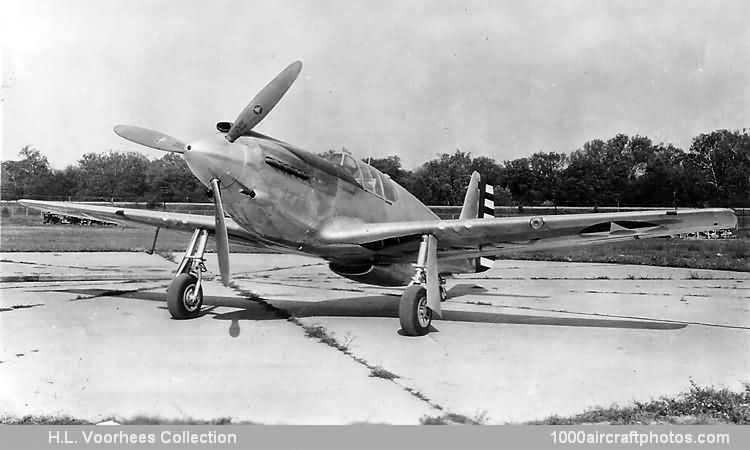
<point>413,311</point>
<point>177,297</point>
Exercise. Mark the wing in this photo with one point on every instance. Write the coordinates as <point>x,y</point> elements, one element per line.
<point>140,217</point>
<point>398,241</point>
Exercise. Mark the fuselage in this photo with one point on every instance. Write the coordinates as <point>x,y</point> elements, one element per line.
<point>283,196</point>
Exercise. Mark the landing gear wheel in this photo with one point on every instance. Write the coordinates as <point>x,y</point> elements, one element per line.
<point>443,294</point>
<point>182,300</point>
<point>413,311</point>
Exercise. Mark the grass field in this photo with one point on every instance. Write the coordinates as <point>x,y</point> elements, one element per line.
<point>697,406</point>
<point>27,233</point>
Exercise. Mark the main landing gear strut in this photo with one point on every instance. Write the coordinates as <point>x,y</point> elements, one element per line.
<point>185,292</point>
<point>425,292</point>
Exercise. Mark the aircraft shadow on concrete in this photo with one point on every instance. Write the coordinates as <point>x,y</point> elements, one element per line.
<point>378,306</point>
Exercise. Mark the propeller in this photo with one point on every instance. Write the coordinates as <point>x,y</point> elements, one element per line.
<point>150,138</point>
<point>264,101</point>
<point>254,112</point>
<point>222,239</point>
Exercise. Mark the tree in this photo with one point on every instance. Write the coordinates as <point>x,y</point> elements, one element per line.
<point>28,177</point>
<point>492,173</point>
<point>442,181</point>
<point>547,170</point>
<point>113,175</point>
<point>603,173</point>
<point>520,181</point>
<point>169,180</point>
<point>391,166</point>
<point>720,163</point>
<point>660,179</point>
<point>582,180</point>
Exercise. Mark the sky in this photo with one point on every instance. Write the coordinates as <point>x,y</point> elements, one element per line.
<point>502,79</point>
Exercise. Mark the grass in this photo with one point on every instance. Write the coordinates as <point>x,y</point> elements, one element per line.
<point>137,420</point>
<point>454,419</point>
<point>699,405</point>
<point>29,234</point>
<point>379,372</point>
<point>26,306</point>
<point>43,420</point>
<point>320,333</point>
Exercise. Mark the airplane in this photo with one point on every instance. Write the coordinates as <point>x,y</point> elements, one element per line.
<point>273,195</point>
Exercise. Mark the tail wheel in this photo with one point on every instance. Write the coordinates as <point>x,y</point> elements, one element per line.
<point>413,312</point>
<point>183,301</point>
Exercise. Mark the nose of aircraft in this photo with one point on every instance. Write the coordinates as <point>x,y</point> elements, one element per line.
<point>212,158</point>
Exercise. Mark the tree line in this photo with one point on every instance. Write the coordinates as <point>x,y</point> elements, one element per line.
<point>624,170</point>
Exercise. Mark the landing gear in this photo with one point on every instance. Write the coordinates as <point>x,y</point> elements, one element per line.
<point>413,311</point>
<point>425,292</point>
<point>185,293</point>
<point>183,299</point>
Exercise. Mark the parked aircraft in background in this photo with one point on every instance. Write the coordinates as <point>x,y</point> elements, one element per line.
<point>270,194</point>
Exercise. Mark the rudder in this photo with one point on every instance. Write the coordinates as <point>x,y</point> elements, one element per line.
<point>487,210</point>
<point>479,203</point>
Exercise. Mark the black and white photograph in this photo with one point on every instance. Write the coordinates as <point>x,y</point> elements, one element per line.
<point>374,212</point>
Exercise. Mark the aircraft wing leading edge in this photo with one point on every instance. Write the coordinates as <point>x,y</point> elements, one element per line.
<point>138,217</point>
<point>483,237</point>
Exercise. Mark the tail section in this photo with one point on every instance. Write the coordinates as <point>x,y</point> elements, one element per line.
<point>473,199</point>
<point>487,197</point>
<point>487,209</point>
<point>479,203</point>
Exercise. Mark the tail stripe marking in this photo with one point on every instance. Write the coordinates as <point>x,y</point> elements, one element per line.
<point>486,210</point>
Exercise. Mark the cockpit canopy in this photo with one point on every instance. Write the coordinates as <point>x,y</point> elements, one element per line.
<point>369,177</point>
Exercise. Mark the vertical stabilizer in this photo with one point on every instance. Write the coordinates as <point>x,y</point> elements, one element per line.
<point>470,210</point>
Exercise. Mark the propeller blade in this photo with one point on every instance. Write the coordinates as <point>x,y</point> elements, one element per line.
<point>264,101</point>
<point>222,240</point>
<point>150,138</point>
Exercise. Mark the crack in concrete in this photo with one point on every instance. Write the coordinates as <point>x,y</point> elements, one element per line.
<point>14,307</point>
<point>94,269</point>
<point>593,291</point>
<point>324,337</point>
<point>48,278</point>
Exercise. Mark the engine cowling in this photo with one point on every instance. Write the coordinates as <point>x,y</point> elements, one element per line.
<point>378,275</point>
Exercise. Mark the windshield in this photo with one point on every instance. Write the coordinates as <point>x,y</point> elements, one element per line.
<point>369,177</point>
